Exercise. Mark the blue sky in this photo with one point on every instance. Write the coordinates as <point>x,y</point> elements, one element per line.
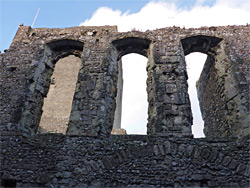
<point>61,13</point>
<point>127,15</point>
<point>52,14</point>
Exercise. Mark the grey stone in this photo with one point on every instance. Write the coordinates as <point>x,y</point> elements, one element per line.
<point>241,168</point>
<point>167,145</point>
<point>156,150</point>
<point>226,161</point>
<point>219,159</point>
<point>247,171</point>
<point>233,164</point>
<point>88,155</point>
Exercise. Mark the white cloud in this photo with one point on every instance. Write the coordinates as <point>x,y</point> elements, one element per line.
<point>239,4</point>
<point>158,14</point>
<point>162,14</point>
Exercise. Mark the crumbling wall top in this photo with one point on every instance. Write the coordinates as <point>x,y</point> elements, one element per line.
<point>101,49</point>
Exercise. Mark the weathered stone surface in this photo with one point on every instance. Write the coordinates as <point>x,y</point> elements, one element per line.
<point>221,90</point>
<point>54,160</point>
<point>118,131</point>
<point>223,103</point>
<point>88,155</point>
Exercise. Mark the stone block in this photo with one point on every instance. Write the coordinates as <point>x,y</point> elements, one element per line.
<point>219,159</point>
<point>171,88</point>
<point>167,146</point>
<point>213,156</point>
<point>106,162</point>
<point>40,88</point>
<point>205,153</point>
<point>66,174</point>
<point>212,183</point>
<point>226,161</point>
<point>156,150</point>
<point>197,152</point>
<point>161,149</point>
<point>241,169</point>
<point>170,59</point>
<point>189,150</point>
<point>118,131</point>
<point>233,164</point>
<point>247,171</point>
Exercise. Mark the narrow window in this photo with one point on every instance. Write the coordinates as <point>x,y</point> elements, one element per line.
<point>195,63</point>
<point>134,100</point>
<point>58,103</point>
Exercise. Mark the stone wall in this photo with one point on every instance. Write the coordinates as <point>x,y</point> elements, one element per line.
<point>223,89</point>
<point>124,161</point>
<point>55,160</point>
<point>32,60</point>
<point>27,67</point>
<point>88,156</point>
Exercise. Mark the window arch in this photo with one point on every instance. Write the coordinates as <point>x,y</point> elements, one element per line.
<point>131,45</point>
<point>134,103</point>
<point>203,44</point>
<point>124,47</point>
<point>199,43</point>
<point>58,102</point>
<point>40,80</point>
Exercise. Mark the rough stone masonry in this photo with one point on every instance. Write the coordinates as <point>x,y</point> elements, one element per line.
<point>88,155</point>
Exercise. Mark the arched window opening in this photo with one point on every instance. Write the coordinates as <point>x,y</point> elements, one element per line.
<point>58,103</point>
<point>131,100</point>
<point>207,45</point>
<point>195,62</point>
<point>134,99</point>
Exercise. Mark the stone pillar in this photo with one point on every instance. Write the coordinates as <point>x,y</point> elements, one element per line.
<point>118,110</point>
<point>169,105</point>
<point>94,100</point>
<point>117,130</point>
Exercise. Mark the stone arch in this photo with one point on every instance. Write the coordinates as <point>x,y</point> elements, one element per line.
<point>131,45</point>
<point>199,43</point>
<point>64,47</point>
<point>40,79</point>
<point>120,48</point>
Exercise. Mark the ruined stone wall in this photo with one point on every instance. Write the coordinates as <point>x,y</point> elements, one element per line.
<point>88,155</point>
<point>55,160</point>
<point>27,67</point>
<point>224,86</point>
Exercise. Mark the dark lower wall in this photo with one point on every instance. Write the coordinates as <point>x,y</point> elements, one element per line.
<point>55,160</point>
